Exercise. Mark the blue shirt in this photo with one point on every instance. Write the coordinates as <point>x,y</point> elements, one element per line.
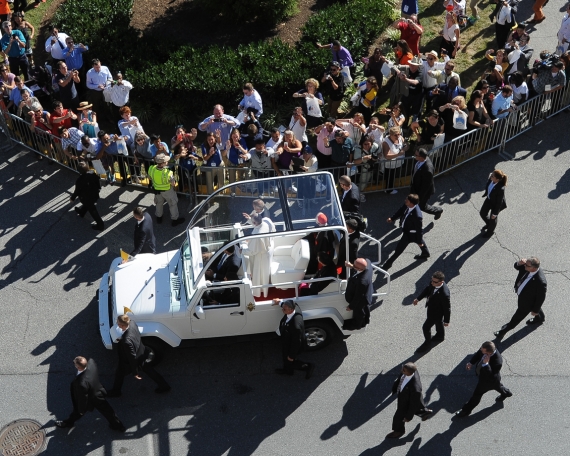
<point>74,60</point>
<point>154,150</point>
<point>234,154</point>
<point>500,103</point>
<point>215,159</point>
<point>111,150</point>
<point>94,78</point>
<point>15,49</point>
<point>342,56</point>
<point>16,96</point>
<point>225,129</point>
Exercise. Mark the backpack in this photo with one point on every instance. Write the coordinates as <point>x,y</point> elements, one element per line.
<point>359,218</point>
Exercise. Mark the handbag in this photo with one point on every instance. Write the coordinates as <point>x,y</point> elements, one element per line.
<point>346,74</point>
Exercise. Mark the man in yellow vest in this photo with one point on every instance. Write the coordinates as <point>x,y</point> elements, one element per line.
<point>163,184</point>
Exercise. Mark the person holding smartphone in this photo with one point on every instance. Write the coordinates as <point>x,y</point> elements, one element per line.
<point>14,46</point>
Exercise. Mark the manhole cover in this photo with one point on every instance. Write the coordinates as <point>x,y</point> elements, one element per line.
<point>22,438</point>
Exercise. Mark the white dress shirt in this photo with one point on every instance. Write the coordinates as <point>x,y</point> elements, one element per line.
<point>56,50</point>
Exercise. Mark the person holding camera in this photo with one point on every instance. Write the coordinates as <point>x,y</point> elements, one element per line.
<point>66,80</point>
<point>298,125</point>
<point>98,77</point>
<point>14,46</point>
<point>520,55</point>
<point>394,150</point>
<point>334,84</point>
<point>311,102</point>
<point>219,121</point>
<point>73,54</point>
<point>549,77</point>
<point>410,31</point>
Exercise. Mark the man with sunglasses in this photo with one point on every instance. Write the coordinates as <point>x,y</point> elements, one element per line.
<point>438,306</point>
<point>429,80</point>
<point>333,82</point>
<point>13,45</point>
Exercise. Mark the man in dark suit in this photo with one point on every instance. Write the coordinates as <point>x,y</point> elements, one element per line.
<point>87,394</point>
<point>422,183</point>
<point>438,309</point>
<point>321,241</point>
<point>408,387</point>
<point>530,287</point>
<point>358,294</point>
<point>445,93</point>
<point>411,218</point>
<point>353,246</point>
<point>293,340</point>
<point>494,201</point>
<point>327,269</point>
<point>133,357</point>
<point>350,198</point>
<point>228,262</point>
<point>488,363</point>
<point>87,189</point>
<point>145,241</point>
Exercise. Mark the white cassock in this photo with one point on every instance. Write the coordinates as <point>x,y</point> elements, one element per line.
<point>259,252</point>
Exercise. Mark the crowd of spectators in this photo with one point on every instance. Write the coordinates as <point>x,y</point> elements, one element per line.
<point>67,98</point>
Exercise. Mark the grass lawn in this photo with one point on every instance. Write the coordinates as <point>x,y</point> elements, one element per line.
<point>470,61</point>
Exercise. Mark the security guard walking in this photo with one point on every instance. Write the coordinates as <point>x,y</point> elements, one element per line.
<point>163,184</point>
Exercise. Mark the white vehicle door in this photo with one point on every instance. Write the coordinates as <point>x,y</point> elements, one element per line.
<point>219,311</point>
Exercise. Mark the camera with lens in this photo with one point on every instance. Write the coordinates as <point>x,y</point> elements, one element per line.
<point>545,63</point>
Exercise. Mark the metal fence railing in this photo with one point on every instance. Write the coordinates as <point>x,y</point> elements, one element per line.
<point>382,176</point>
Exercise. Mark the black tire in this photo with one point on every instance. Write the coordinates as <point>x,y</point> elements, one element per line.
<point>157,349</point>
<point>319,334</point>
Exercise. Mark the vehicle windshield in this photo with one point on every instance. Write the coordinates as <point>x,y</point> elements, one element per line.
<point>292,203</point>
<point>186,259</point>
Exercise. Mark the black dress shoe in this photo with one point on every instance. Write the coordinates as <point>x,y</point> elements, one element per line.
<point>421,257</point>
<point>310,369</point>
<point>502,398</point>
<point>178,221</point>
<point>159,220</point>
<point>438,215</point>
<point>427,415</point>
<point>98,227</point>
<point>386,267</point>
<point>76,209</point>
<point>483,229</point>
<point>500,334</point>
<point>487,234</point>
<point>63,424</point>
<point>424,347</point>
<point>462,414</point>
<point>535,321</point>
<point>438,339</point>
<point>113,393</point>
<point>283,372</point>
<point>162,389</point>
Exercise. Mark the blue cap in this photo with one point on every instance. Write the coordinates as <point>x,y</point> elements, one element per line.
<point>308,150</point>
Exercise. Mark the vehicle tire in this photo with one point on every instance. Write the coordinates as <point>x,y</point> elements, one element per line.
<point>319,334</point>
<point>157,349</point>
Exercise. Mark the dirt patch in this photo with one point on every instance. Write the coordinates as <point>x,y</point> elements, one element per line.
<point>184,22</point>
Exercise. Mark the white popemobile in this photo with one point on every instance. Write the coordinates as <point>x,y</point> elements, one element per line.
<point>174,304</point>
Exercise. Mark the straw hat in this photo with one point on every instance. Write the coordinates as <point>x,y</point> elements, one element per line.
<point>84,105</point>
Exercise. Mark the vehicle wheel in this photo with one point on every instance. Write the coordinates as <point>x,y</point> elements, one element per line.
<point>157,349</point>
<point>319,334</point>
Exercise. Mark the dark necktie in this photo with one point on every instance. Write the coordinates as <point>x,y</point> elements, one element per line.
<point>521,281</point>
<point>400,384</point>
<point>60,44</point>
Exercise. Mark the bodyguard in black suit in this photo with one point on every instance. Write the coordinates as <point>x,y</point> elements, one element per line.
<point>88,394</point>
<point>328,269</point>
<point>350,197</point>
<point>530,287</point>
<point>494,201</point>
<point>408,387</point>
<point>145,241</point>
<point>411,218</point>
<point>438,308</point>
<point>358,294</point>
<point>228,262</point>
<point>293,339</point>
<point>422,183</point>
<point>87,188</point>
<point>488,363</point>
<point>133,357</point>
<point>353,246</point>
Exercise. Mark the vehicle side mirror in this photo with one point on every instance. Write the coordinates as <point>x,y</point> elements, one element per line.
<point>199,312</point>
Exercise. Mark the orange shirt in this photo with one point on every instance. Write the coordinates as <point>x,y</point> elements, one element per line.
<point>4,7</point>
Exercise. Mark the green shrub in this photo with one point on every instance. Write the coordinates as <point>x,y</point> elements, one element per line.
<point>193,79</point>
<point>265,11</point>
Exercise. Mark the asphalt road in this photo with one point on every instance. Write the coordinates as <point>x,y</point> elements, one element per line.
<point>226,400</point>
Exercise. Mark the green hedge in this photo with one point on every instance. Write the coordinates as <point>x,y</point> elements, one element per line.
<point>266,11</point>
<point>189,80</point>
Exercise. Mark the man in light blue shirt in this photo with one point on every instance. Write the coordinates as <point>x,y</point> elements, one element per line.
<point>16,95</point>
<point>72,54</point>
<point>503,103</point>
<point>97,78</point>
<point>158,146</point>
<point>219,121</point>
